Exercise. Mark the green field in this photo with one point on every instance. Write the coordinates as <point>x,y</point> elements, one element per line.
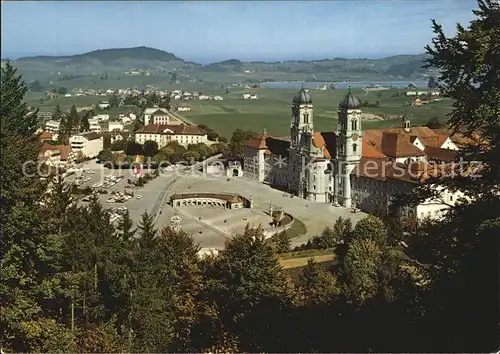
<point>272,110</point>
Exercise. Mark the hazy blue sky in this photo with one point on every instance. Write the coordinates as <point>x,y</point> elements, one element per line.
<point>205,31</point>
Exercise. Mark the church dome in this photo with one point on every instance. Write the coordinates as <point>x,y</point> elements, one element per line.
<point>302,97</point>
<point>349,102</point>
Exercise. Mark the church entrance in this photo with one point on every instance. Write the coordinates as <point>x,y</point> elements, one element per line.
<point>235,172</point>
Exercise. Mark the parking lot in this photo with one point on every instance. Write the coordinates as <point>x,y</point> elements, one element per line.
<point>144,198</point>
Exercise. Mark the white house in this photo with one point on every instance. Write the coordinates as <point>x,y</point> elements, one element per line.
<point>246,96</point>
<point>184,108</point>
<point>104,105</point>
<point>52,126</point>
<point>164,134</point>
<point>102,117</point>
<point>55,155</point>
<point>89,144</point>
<point>157,115</point>
<point>115,126</point>
<point>218,98</point>
<point>94,125</point>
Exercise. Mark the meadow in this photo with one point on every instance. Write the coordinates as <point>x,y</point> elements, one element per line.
<point>272,109</point>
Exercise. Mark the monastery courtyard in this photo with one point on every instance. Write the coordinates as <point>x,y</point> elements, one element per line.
<point>215,231</point>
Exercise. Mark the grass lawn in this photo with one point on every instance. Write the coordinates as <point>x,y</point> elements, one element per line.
<point>297,229</point>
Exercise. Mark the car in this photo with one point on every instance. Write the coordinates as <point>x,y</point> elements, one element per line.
<point>139,196</point>
<point>111,200</point>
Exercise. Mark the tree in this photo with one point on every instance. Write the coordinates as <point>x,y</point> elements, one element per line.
<point>133,148</point>
<point>464,262</point>
<point>84,124</point>
<point>126,227</point>
<point>361,265</point>
<point>281,242</point>
<point>57,113</point>
<point>113,100</point>
<point>105,155</point>
<point>327,239</point>
<point>434,123</point>
<point>173,78</point>
<point>246,288</point>
<point>118,145</point>
<point>212,135</point>
<point>432,84</point>
<point>372,228</point>
<point>30,251</point>
<point>35,86</point>
<point>238,140</point>
<point>62,90</point>
<point>150,148</point>
<point>319,287</point>
<point>222,139</point>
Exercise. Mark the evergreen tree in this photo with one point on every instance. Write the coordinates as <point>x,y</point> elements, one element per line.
<point>432,83</point>
<point>29,251</point>
<point>126,227</point>
<point>84,124</point>
<point>462,302</point>
<point>57,113</point>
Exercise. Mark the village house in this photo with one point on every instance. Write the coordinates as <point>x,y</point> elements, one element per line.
<point>183,108</point>
<point>55,155</point>
<point>157,115</point>
<point>88,144</point>
<point>52,126</point>
<point>103,104</point>
<point>163,134</point>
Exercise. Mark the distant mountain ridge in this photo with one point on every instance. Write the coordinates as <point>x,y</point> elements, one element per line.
<point>146,58</point>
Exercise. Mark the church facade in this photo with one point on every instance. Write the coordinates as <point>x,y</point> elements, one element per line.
<point>348,167</point>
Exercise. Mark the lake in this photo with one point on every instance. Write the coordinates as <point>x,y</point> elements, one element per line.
<point>343,85</point>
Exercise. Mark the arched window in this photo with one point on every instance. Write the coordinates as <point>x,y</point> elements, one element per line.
<point>353,124</point>
<point>354,148</point>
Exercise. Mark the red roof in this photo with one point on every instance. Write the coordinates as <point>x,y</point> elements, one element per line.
<point>180,129</point>
<point>46,136</point>
<point>64,150</point>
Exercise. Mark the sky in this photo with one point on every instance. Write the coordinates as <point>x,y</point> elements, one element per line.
<point>219,30</point>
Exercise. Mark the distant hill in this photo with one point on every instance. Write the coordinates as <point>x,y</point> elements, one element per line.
<point>121,60</point>
<point>101,60</point>
<point>109,56</point>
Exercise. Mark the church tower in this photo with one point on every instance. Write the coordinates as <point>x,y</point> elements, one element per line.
<point>348,149</point>
<point>302,118</point>
<point>301,134</point>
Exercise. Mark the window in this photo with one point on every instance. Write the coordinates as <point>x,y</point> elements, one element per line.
<point>354,148</point>
<point>354,125</point>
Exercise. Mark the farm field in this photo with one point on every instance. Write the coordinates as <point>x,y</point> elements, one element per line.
<point>272,111</point>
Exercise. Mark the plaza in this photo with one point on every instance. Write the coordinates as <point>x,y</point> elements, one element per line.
<point>315,216</point>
